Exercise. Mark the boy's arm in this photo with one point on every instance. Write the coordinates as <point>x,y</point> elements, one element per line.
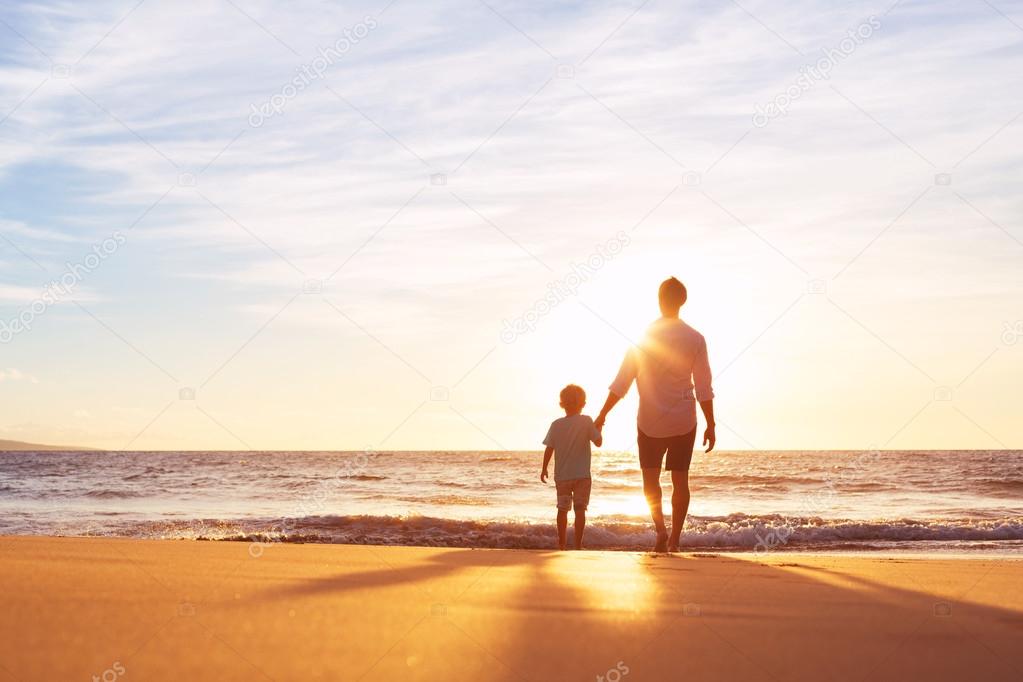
<point>546,460</point>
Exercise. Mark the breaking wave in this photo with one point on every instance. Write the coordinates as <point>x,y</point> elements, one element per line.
<point>736,532</point>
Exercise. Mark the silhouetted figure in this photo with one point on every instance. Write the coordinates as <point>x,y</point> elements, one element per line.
<point>671,371</point>
<point>568,440</point>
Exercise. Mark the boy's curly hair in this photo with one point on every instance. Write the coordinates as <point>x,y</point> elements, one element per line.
<point>573,396</point>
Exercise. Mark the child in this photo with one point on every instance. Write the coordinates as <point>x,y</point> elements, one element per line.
<point>569,441</point>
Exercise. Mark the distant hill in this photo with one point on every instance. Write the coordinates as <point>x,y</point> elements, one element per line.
<point>18,446</point>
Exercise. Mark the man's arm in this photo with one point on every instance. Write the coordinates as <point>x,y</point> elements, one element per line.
<point>620,386</point>
<point>546,461</point>
<point>705,393</point>
<point>611,401</point>
<point>709,438</point>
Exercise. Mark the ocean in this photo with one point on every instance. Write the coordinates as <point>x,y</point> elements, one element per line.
<point>945,501</point>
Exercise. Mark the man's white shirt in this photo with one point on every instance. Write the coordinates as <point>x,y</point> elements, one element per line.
<point>672,372</point>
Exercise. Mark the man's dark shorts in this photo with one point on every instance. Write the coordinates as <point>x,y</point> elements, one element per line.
<point>679,449</point>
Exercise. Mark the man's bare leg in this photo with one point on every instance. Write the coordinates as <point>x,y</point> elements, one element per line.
<point>679,507</point>
<point>580,526</point>
<point>652,491</point>
<point>562,528</point>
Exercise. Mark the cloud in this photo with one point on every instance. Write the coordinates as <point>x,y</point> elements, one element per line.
<point>13,374</point>
<point>461,156</point>
<point>10,293</point>
<point>464,93</point>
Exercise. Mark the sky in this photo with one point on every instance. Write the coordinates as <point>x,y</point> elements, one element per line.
<point>399,225</point>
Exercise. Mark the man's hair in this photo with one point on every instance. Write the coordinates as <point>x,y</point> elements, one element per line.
<point>573,396</point>
<point>672,294</point>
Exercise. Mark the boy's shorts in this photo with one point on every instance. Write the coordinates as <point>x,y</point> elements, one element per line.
<point>679,449</point>
<point>574,492</point>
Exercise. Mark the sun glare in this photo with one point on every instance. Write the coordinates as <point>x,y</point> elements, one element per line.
<point>625,505</point>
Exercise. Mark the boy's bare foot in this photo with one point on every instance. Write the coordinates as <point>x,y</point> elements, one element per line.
<point>662,543</point>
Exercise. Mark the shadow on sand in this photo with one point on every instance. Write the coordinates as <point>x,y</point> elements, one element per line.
<point>529,615</point>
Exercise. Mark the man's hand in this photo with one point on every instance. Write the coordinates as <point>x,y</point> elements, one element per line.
<point>543,476</point>
<point>599,421</point>
<point>709,438</point>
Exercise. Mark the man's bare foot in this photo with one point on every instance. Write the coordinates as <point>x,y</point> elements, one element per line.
<point>662,543</point>
<point>673,547</point>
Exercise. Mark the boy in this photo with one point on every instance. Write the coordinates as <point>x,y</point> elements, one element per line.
<point>568,440</point>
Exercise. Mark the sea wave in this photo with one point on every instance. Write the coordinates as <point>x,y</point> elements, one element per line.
<point>108,494</point>
<point>736,532</point>
<point>1009,487</point>
<point>447,500</point>
<point>752,479</point>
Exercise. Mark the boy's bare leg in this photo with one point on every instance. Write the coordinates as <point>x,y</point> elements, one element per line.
<point>580,526</point>
<point>652,491</point>
<point>562,528</point>
<point>679,507</point>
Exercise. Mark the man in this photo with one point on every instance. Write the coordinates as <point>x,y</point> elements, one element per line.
<point>671,372</point>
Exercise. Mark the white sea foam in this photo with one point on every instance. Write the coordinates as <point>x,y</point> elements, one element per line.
<point>737,532</point>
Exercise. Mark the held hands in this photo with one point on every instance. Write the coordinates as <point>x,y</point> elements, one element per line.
<point>599,421</point>
<point>543,475</point>
<point>709,438</point>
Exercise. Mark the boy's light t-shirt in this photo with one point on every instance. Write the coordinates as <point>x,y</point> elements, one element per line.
<point>570,437</point>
